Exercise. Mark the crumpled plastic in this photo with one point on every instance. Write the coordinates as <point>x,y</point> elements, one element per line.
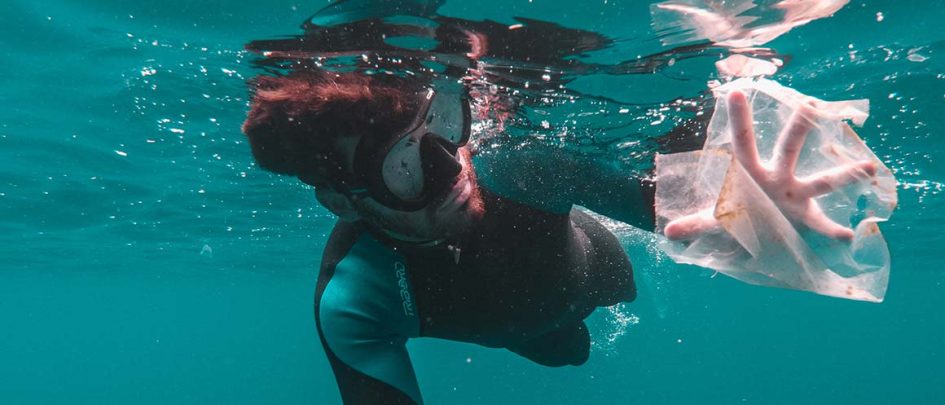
<point>757,243</point>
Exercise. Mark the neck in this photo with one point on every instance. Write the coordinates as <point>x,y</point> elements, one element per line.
<point>410,240</point>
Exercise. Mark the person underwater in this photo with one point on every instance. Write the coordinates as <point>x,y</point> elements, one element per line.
<point>422,249</point>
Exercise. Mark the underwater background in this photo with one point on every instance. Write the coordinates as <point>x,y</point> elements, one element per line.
<point>144,258</point>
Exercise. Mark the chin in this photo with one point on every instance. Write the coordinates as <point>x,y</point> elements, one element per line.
<point>475,208</point>
<point>456,216</point>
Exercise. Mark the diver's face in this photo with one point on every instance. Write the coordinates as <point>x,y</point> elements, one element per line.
<point>417,183</point>
<point>450,212</point>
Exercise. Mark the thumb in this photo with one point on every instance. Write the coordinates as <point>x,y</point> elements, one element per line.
<point>691,226</point>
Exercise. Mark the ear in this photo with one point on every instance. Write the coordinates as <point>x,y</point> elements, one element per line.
<point>337,203</point>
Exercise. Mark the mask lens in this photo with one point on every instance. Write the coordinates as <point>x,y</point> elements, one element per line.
<point>402,169</point>
<point>446,119</point>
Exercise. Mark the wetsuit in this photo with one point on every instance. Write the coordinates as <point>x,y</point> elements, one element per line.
<point>523,279</point>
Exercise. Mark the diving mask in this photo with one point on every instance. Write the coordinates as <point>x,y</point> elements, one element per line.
<point>407,170</point>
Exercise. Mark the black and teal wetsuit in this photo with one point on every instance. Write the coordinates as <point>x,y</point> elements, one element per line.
<point>525,279</point>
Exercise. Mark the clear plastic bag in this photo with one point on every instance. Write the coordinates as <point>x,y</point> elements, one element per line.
<point>757,243</point>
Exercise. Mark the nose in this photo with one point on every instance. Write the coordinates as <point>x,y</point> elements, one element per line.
<point>440,161</point>
<point>447,146</point>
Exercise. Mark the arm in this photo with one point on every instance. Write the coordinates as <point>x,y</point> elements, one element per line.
<point>547,177</point>
<point>362,322</point>
<point>551,179</point>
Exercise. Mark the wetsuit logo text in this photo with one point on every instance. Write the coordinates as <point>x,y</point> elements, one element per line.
<point>406,299</point>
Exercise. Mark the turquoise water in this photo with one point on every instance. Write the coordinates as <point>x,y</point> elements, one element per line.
<point>145,260</point>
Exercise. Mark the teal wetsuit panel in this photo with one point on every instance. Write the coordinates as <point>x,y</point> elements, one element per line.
<point>367,312</point>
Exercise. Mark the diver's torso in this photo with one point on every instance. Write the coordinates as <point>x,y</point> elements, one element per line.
<point>519,273</point>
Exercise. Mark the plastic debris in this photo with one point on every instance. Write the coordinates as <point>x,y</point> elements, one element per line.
<point>757,242</point>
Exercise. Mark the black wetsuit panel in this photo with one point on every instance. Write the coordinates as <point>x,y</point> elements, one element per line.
<point>522,273</point>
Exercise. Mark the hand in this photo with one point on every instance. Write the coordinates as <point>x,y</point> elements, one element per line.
<point>794,196</point>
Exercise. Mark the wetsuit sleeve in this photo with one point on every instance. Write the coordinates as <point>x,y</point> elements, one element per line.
<point>552,180</point>
<point>363,325</point>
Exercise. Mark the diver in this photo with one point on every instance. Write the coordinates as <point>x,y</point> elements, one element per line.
<point>422,249</point>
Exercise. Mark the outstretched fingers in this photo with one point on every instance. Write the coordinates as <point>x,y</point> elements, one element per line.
<point>832,179</point>
<point>791,140</point>
<point>743,134</point>
<point>816,220</point>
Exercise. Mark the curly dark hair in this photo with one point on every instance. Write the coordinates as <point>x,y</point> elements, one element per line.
<point>295,119</point>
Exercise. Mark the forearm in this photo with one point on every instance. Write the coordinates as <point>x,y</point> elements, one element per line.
<point>631,199</point>
<point>553,180</point>
<point>624,198</point>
